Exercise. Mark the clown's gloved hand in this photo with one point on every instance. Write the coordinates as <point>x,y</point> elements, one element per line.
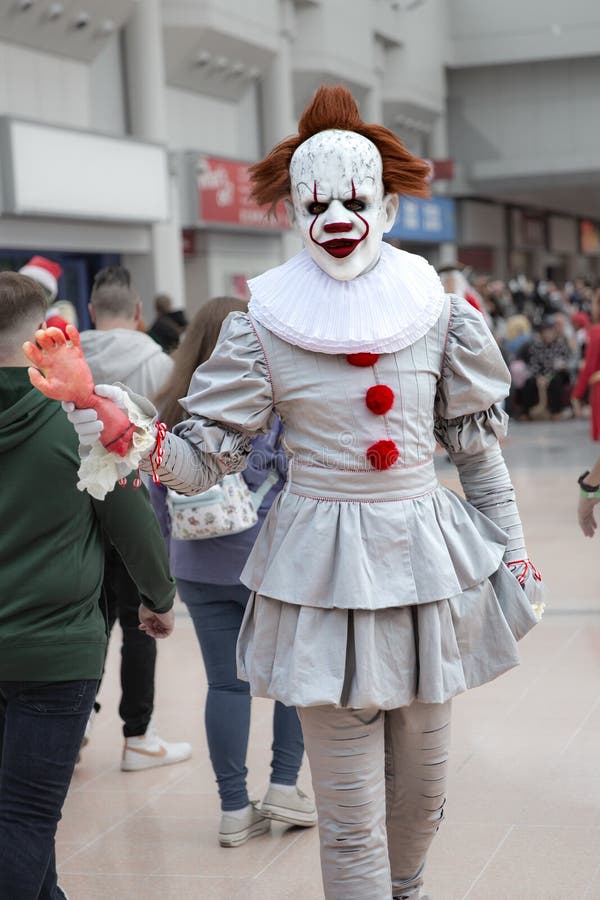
<point>89,426</point>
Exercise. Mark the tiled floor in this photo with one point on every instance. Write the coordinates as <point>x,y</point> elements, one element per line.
<point>524,804</point>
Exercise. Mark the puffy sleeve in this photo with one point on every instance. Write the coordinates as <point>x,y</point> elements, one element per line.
<point>473,383</point>
<point>232,388</point>
<point>469,423</point>
<point>230,399</point>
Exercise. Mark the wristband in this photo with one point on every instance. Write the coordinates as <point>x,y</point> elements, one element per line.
<point>590,495</point>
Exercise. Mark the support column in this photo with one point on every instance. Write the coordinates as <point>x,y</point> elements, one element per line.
<point>448,250</point>
<point>278,119</point>
<point>147,103</point>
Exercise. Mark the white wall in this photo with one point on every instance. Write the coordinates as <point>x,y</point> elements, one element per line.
<point>482,224</point>
<point>336,37</point>
<point>525,111</point>
<point>201,123</point>
<point>41,86</point>
<point>485,32</point>
<point>415,71</point>
<point>219,255</point>
<point>221,127</point>
<point>107,90</point>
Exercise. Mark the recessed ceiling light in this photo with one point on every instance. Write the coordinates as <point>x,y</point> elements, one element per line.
<point>55,10</point>
<point>107,27</point>
<point>81,20</point>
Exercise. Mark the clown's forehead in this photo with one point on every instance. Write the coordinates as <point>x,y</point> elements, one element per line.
<point>335,158</point>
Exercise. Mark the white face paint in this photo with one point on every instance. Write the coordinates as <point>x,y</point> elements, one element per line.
<point>338,204</point>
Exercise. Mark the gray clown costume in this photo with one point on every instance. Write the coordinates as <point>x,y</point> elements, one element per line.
<point>374,589</point>
<point>377,594</point>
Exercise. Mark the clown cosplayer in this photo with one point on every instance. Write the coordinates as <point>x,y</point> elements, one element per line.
<point>377,594</point>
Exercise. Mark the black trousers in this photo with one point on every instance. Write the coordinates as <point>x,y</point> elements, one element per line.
<point>138,651</point>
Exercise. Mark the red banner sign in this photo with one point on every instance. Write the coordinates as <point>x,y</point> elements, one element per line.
<point>440,169</point>
<point>224,197</point>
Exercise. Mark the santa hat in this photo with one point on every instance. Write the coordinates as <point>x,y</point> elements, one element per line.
<point>45,272</point>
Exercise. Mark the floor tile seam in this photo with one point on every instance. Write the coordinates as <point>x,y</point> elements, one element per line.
<point>541,675</point>
<point>279,855</point>
<point>497,849</point>
<point>582,725</point>
<point>111,768</point>
<point>145,874</point>
<point>124,819</point>
<point>520,825</point>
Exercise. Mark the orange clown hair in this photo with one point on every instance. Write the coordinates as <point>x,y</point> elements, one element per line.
<point>335,107</point>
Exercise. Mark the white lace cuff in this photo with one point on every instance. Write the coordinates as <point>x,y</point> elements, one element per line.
<point>100,470</point>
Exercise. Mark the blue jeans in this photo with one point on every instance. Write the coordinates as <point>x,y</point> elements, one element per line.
<point>41,729</point>
<point>217,612</point>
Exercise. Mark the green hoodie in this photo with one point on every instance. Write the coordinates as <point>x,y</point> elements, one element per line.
<point>52,544</point>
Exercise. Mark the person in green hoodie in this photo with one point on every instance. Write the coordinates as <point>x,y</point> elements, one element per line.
<point>52,630</point>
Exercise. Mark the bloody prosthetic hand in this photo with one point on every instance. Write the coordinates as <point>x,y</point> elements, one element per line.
<point>66,376</point>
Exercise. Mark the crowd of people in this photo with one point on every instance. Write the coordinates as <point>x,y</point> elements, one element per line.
<point>547,334</point>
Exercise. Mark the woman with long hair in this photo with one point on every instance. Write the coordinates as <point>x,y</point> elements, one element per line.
<point>207,573</point>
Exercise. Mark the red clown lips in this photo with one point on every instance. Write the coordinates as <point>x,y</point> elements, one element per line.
<point>340,247</point>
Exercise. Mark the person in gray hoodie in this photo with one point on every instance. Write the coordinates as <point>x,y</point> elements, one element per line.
<point>118,351</point>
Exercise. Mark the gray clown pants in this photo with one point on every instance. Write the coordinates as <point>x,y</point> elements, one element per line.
<point>379,778</point>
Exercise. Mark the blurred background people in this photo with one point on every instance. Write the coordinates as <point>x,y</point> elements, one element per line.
<point>46,273</point>
<point>207,576</point>
<point>550,360</point>
<point>169,323</point>
<point>117,351</point>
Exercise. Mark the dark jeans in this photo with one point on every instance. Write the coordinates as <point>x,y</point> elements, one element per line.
<point>217,612</point>
<point>41,727</point>
<point>138,651</point>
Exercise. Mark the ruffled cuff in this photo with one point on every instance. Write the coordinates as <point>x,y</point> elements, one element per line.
<point>474,432</point>
<point>100,470</point>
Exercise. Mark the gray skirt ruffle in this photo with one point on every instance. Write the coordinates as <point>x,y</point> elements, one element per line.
<point>385,658</point>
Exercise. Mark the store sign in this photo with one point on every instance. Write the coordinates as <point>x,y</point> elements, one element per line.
<point>224,188</point>
<point>589,236</point>
<point>52,171</point>
<point>440,169</point>
<point>426,221</point>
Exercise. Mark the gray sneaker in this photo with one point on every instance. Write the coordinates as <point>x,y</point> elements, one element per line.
<point>294,808</point>
<point>235,830</point>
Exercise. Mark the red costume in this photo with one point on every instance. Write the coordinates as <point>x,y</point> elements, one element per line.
<point>589,378</point>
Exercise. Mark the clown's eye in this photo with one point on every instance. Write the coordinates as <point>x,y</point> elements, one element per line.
<point>354,205</point>
<point>316,208</point>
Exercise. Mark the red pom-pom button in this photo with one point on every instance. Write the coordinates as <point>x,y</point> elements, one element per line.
<point>380,399</point>
<point>383,455</point>
<point>362,360</point>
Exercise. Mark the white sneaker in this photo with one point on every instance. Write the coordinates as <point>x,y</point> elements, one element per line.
<point>293,807</point>
<point>149,750</point>
<point>236,830</point>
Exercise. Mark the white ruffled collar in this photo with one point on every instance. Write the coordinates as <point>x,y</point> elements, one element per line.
<point>385,310</point>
